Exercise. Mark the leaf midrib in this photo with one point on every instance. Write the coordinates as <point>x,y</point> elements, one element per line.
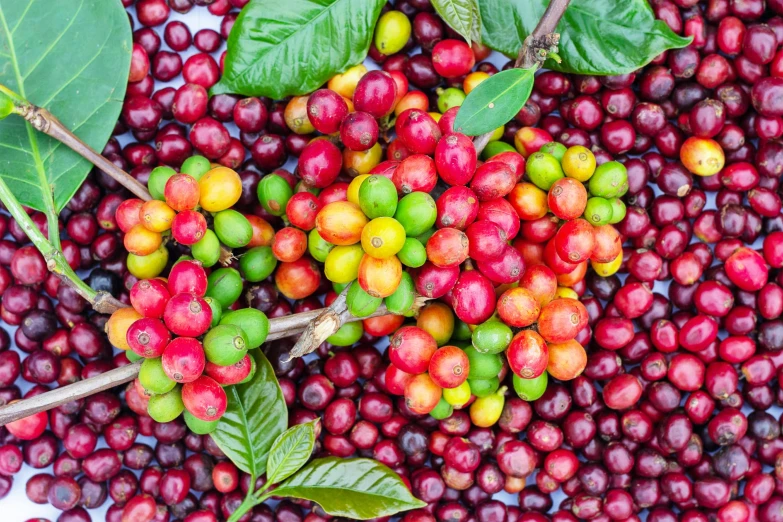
<point>246,429</point>
<point>451,5</point>
<point>46,196</point>
<point>286,455</point>
<point>284,40</point>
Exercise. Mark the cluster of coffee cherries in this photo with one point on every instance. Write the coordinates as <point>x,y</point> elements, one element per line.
<point>181,202</point>
<point>387,233</point>
<point>190,349</point>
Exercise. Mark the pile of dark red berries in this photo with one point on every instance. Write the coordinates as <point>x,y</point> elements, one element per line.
<point>669,420</point>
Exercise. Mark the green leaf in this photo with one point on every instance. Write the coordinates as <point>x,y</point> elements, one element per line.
<point>494,101</point>
<point>462,15</point>
<point>596,36</point>
<point>255,417</point>
<point>291,451</point>
<point>71,57</point>
<point>280,48</point>
<point>353,488</point>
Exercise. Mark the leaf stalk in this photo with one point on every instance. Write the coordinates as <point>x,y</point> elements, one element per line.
<point>55,260</point>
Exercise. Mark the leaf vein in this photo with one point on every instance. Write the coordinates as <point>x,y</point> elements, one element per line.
<point>18,149</point>
<point>21,17</point>
<point>54,42</point>
<point>79,72</point>
<point>47,197</point>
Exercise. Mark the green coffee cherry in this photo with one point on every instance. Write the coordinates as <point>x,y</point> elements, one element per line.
<point>339,287</point>
<point>609,181</point>
<point>378,197</point>
<point>543,170</point>
<point>252,322</point>
<point>250,375</point>
<point>494,148</point>
<point>207,250</point>
<point>225,344</point>
<point>554,148</point>
<point>402,298</point>
<point>318,247</point>
<point>133,356</point>
<point>392,32</point>
<point>150,266</point>
<point>413,253</point>
<point>483,365</point>
<point>486,411</point>
<point>348,334</point>
<point>442,410</point>
<point>450,97</point>
<point>153,378</point>
<point>530,389</point>
<point>461,331</point>
<point>257,264</point>
<point>274,193</point>
<point>167,406</point>
<point>491,337</point>
<point>416,212</point>
<point>217,310</point>
<point>198,426</point>
<point>426,235</point>
<point>618,210</point>
<point>157,182</point>
<point>225,285</point>
<point>196,166</point>
<point>484,387</point>
<point>598,211</point>
<point>360,303</point>
<point>233,229</point>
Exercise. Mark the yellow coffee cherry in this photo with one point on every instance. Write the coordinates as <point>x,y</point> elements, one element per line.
<point>607,269</point>
<point>362,162</point>
<point>486,411</point>
<point>344,84</point>
<point>497,133</point>
<point>342,263</point>
<point>472,80</point>
<point>458,396</point>
<point>147,267</point>
<point>118,324</point>
<point>156,215</point>
<point>383,237</point>
<point>392,32</point>
<point>564,291</point>
<point>578,163</point>
<point>353,188</point>
<point>220,189</point>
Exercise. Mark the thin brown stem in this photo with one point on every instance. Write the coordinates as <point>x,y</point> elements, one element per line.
<point>535,49</point>
<point>330,319</point>
<point>279,327</point>
<point>78,390</point>
<point>44,121</point>
<point>102,302</point>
